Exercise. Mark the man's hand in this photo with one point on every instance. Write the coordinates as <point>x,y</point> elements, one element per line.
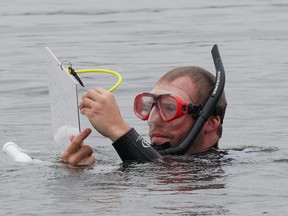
<point>77,153</point>
<point>103,113</point>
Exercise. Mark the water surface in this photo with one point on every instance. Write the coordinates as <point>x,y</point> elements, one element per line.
<point>143,40</point>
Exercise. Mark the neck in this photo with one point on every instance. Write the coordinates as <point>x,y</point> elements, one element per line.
<point>162,146</point>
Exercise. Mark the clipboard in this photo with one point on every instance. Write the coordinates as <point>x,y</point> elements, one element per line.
<point>64,103</point>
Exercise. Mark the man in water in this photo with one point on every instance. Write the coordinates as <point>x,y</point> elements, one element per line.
<point>171,110</point>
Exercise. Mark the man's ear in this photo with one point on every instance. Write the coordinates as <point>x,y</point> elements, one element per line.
<point>212,124</point>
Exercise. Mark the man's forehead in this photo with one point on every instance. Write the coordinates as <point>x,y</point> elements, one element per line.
<point>182,87</point>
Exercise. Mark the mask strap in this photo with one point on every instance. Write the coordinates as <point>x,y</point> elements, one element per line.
<point>194,110</point>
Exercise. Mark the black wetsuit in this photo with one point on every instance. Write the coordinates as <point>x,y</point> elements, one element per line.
<point>133,147</point>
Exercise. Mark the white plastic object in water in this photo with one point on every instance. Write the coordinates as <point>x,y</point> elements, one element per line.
<point>16,153</point>
<point>63,134</point>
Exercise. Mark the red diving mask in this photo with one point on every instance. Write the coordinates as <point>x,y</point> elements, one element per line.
<point>170,106</point>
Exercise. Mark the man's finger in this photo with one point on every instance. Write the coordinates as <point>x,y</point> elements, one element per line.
<point>71,138</point>
<point>77,141</point>
<point>93,94</point>
<point>84,153</point>
<point>87,161</point>
<point>100,90</point>
<point>87,103</point>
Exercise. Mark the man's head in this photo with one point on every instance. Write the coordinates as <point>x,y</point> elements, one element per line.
<point>194,85</point>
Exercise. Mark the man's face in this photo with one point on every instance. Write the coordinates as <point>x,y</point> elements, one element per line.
<point>176,130</point>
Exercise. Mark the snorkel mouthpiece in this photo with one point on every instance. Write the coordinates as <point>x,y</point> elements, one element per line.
<point>206,110</point>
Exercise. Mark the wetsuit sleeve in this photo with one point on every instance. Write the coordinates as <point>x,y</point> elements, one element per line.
<point>133,147</point>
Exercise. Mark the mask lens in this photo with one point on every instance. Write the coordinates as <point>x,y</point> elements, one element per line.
<point>142,106</point>
<point>168,106</point>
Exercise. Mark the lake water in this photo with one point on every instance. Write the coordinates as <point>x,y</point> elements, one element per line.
<point>142,40</point>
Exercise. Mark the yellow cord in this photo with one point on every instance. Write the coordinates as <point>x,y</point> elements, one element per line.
<point>103,71</point>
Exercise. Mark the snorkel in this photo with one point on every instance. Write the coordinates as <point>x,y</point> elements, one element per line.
<point>206,110</point>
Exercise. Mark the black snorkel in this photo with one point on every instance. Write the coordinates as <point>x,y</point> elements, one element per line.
<point>207,109</point>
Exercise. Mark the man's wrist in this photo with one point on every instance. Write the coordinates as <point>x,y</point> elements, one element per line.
<point>119,132</point>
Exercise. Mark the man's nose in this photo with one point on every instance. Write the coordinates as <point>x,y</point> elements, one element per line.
<point>155,116</point>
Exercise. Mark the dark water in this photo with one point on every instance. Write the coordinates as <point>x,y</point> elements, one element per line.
<point>143,40</point>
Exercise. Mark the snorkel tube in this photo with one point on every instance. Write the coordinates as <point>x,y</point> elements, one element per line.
<point>207,109</point>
